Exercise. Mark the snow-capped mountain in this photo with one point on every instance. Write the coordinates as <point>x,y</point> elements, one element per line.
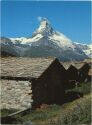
<point>45,41</point>
<point>11,48</point>
<point>87,49</point>
<point>7,47</point>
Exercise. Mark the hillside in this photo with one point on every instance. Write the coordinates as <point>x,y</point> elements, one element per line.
<point>71,113</point>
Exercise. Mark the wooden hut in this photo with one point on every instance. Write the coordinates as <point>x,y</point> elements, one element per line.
<point>72,73</point>
<point>48,78</point>
<point>84,73</point>
<point>49,88</point>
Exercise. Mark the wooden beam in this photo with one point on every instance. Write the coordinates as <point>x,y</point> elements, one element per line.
<point>17,78</point>
<point>24,111</point>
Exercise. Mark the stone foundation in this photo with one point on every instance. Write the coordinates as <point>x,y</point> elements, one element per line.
<point>16,94</point>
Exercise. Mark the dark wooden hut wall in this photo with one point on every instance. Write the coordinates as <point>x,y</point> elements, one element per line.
<point>49,87</point>
<point>83,73</point>
<point>72,73</point>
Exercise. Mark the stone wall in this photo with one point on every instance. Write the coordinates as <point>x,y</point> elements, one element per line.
<point>16,94</point>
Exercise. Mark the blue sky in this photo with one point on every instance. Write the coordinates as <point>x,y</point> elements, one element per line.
<point>20,18</point>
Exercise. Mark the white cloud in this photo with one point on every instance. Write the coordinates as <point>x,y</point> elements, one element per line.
<point>39,18</point>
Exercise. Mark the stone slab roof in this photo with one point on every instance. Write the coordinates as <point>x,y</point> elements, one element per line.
<point>78,65</point>
<point>31,67</point>
<point>24,67</point>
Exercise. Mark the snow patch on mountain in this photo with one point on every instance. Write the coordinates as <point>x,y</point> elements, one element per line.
<point>24,40</point>
<point>87,49</point>
<point>21,40</point>
<point>61,40</point>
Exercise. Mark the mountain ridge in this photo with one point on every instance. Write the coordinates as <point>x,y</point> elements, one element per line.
<point>45,41</point>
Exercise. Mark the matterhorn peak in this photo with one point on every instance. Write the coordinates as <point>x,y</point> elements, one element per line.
<point>46,41</point>
<point>44,22</point>
<point>45,28</point>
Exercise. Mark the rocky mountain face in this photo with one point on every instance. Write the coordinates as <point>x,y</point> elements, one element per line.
<point>45,41</point>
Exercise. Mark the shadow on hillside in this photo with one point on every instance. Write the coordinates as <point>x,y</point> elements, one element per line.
<point>71,96</point>
<point>9,120</point>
